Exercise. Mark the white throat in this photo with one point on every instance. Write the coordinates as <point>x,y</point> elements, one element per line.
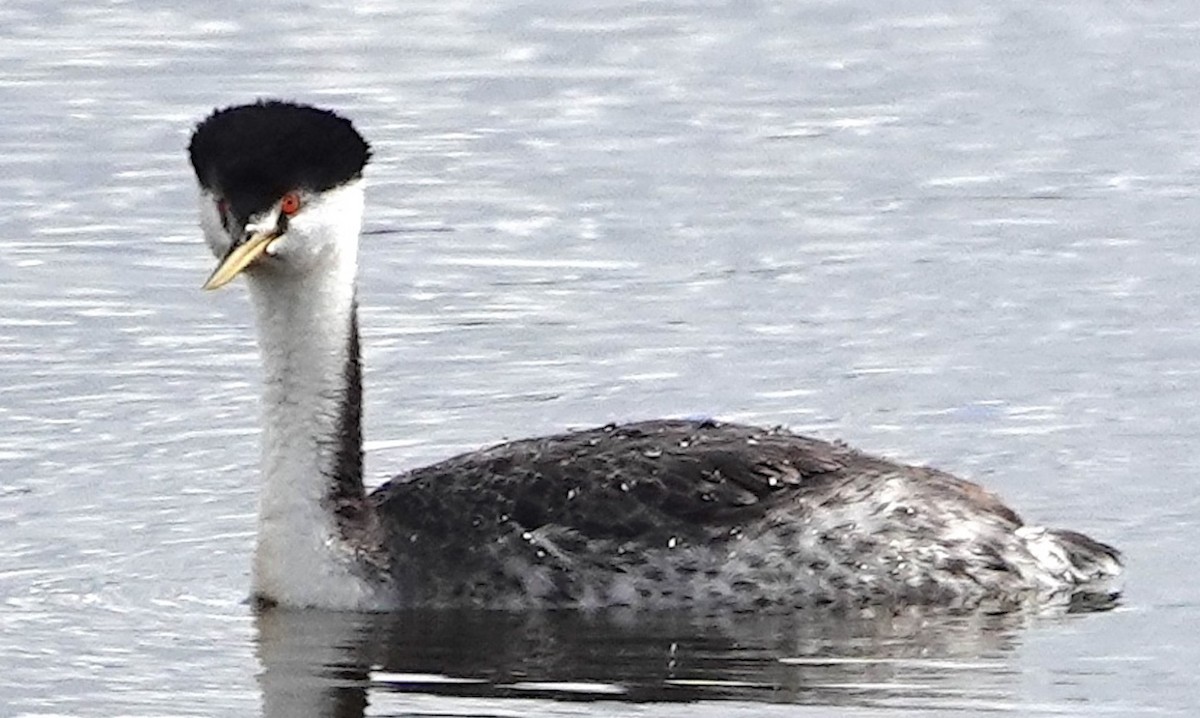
<point>306,556</point>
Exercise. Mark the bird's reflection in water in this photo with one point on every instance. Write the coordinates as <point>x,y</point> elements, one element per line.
<point>332,664</point>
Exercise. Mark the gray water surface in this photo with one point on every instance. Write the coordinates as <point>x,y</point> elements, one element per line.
<point>954,235</point>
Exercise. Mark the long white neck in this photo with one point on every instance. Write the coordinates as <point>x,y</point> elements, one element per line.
<point>317,536</point>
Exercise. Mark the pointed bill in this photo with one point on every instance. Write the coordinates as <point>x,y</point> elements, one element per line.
<point>238,258</point>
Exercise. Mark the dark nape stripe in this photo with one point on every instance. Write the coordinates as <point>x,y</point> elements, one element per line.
<point>346,493</point>
<point>357,523</point>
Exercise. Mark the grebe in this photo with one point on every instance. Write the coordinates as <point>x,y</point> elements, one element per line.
<point>652,514</point>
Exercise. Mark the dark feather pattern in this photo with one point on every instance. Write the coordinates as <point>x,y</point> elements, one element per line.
<point>675,512</point>
<point>654,514</point>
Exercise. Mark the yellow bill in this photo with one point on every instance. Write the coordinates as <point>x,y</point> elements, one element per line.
<point>238,258</point>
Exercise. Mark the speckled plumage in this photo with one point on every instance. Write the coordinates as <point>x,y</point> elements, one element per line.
<point>652,514</point>
<point>669,513</point>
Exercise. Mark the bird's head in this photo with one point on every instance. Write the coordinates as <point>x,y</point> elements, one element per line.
<point>280,188</point>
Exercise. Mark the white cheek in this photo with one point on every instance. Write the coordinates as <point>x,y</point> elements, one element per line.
<point>210,222</point>
<point>302,242</point>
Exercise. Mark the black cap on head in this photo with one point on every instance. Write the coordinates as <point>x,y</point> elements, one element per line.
<point>252,154</point>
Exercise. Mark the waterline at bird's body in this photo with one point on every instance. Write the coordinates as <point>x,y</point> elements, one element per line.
<point>651,514</point>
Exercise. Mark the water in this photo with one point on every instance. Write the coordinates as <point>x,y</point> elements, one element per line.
<point>960,236</point>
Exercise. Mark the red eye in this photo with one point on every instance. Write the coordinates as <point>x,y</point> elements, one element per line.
<point>290,204</point>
